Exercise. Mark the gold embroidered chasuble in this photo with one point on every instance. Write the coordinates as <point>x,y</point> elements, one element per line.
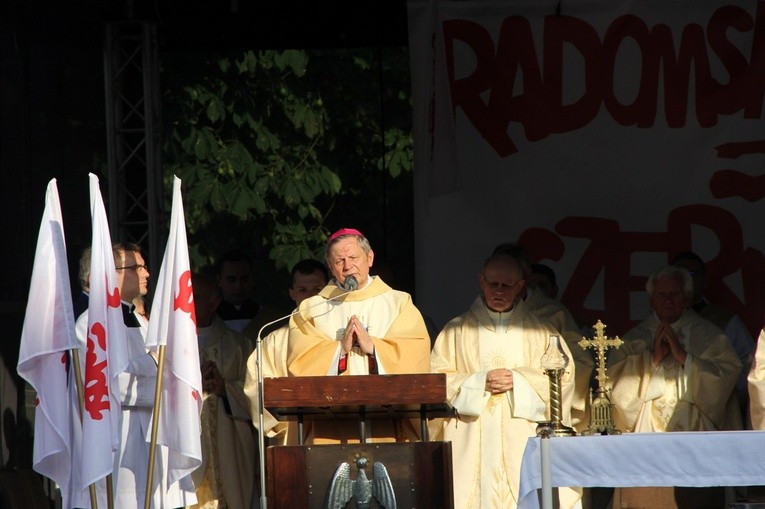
<point>669,397</point>
<point>401,342</point>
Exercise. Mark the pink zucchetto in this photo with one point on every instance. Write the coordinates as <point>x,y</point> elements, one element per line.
<point>344,231</point>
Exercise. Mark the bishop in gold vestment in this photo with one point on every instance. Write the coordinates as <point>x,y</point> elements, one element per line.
<point>370,330</point>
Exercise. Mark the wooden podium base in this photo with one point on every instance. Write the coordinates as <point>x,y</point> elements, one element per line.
<point>420,473</point>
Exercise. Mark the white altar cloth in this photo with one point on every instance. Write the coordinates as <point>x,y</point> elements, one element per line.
<point>719,458</point>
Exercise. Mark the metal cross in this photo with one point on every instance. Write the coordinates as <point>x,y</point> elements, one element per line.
<point>600,344</point>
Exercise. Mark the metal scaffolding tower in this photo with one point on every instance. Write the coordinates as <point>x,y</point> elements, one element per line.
<point>131,80</point>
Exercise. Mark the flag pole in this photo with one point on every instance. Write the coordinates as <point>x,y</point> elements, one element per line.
<point>109,492</point>
<point>154,427</point>
<point>75,356</point>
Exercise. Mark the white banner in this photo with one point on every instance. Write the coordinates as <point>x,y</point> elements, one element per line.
<point>46,340</point>
<point>174,324</point>
<point>106,355</point>
<point>606,139</point>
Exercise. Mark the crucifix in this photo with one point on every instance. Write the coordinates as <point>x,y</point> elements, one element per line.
<point>601,421</point>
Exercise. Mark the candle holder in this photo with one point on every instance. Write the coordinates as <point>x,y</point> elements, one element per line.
<point>554,362</point>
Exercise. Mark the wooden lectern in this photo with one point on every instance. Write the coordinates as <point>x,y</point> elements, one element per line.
<point>301,476</point>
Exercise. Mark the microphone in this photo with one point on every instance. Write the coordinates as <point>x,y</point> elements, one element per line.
<point>350,283</point>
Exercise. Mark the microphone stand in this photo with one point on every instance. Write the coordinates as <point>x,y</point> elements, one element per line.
<point>261,410</point>
<point>349,285</point>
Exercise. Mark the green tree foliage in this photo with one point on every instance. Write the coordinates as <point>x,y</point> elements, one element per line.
<point>277,148</point>
<point>243,136</point>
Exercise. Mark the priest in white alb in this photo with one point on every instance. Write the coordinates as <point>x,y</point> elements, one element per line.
<point>495,381</point>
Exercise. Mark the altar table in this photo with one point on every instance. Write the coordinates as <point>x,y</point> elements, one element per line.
<point>719,458</point>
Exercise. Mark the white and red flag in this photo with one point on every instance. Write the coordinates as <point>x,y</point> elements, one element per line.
<point>173,324</point>
<point>106,354</point>
<point>47,335</point>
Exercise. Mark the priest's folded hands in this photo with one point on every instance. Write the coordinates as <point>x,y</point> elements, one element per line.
<point>665,342</point>
<point>499,380</point>
<point>356,335</point>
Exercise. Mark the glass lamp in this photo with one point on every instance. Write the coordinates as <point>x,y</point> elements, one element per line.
<point>554,362</point>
